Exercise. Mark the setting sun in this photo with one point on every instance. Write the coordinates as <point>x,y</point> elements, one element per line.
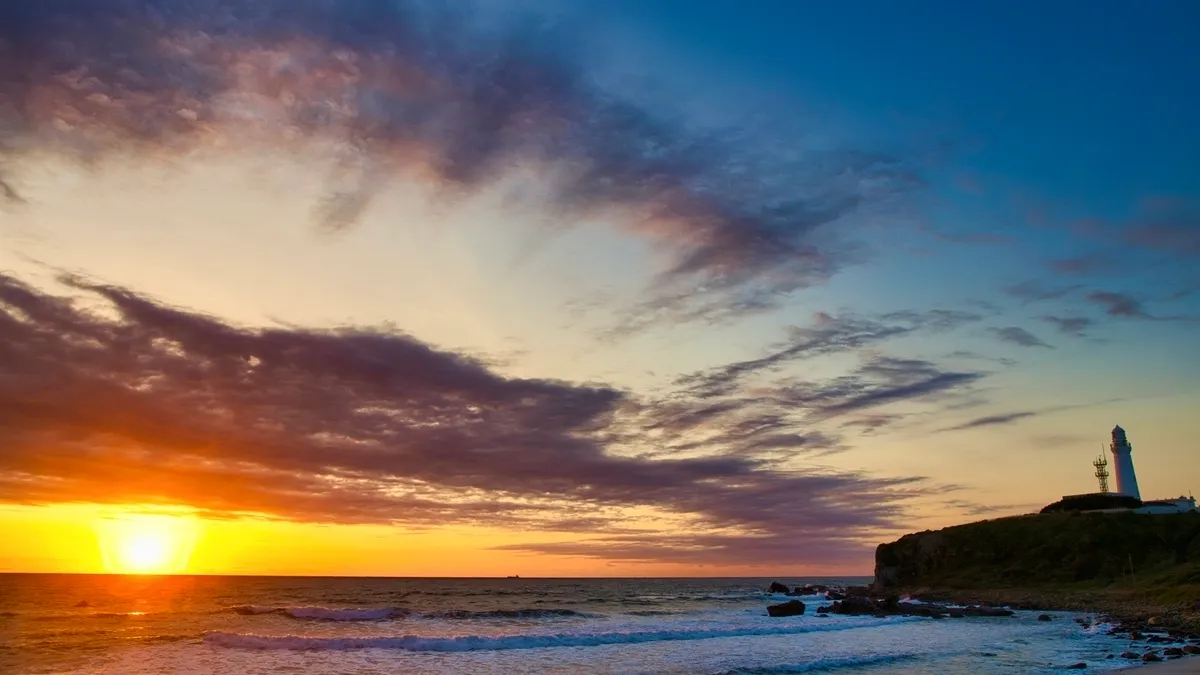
<point>146,544</point>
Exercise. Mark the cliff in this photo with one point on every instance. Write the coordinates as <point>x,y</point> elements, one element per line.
<point>1078,550</point>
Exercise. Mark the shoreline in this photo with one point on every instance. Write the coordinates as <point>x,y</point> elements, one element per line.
<point>1128,611</point>
<point>1184,666</point>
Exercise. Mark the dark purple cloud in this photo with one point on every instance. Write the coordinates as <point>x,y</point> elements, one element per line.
<point>432,92</point>
<point>140,402</point>
<point>1069,325</point>
<point>826,335</point>
<point>1018,336</point>
<point>992,420</point>
<point>1118,304</point>
<point>1010,418</point>
<point>1031,291</point>
<point>1094,263</point>
<point>1166,224</point>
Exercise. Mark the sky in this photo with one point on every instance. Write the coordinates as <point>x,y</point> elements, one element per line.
<point>652,288</point>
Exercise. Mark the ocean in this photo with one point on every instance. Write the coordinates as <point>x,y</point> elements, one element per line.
<point>128,625</point>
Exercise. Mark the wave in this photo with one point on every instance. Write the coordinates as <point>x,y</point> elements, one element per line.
<point>326,613</point>
<point>820,665</point>
<point>470,643</point>
<point>462,614</point>
<point>385,613</point>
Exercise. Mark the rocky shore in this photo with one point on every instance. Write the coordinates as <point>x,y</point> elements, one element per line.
<point>1155,632</point>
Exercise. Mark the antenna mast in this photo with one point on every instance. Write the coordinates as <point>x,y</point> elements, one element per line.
<point>1101,465</point>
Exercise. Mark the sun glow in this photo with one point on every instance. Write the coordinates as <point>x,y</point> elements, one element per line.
<point>146,544</point>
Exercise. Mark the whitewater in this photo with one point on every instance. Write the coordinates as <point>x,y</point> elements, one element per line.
<point>91,625</point>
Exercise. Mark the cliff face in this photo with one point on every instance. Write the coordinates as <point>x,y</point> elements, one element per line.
<point>1044,549</point>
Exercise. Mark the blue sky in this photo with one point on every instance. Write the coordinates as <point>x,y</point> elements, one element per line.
<point>915,259</point>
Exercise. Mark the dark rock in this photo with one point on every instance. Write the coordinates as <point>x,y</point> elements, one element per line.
<point>853,606</point>
<point>1076,666</point>
<point>957,614</point>
<point>1044,617</point>
<point>1136,636</point>
<point>1173,652</point>
<point>823,609</point>
<point>987,653</point>
<point>1130,655</point>
<point>1191,649</point>
<point>789,608</point>
<point>1151,656</point>
<point>835,595</point>
<point>82,603</point>
<point>1158,639</point>
<point>981,610</point>
<point>881,615</point>
<point>777,587</point>
<point>1109,656</point>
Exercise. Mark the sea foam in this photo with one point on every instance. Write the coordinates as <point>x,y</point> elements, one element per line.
<point>469,643</point>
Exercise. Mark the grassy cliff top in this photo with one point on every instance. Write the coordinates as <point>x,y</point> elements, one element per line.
<point>1121,563</point>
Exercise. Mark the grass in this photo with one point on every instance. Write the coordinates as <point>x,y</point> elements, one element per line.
<point>1125,565</point>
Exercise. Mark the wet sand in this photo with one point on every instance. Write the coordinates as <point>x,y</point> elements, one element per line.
<point>1184,666</point>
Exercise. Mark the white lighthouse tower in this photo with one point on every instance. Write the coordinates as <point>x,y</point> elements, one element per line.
<point>1122,454</point>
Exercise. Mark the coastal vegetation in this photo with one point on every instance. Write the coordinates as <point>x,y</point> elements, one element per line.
<point>1130,566</point>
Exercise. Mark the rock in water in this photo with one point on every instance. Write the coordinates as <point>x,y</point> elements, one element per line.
<point>82,603</point>
<point>1151,656</point>
<point>777,587</point>
<point>1044,617</point>
<point>1076,666</point>
<point>789,608</point>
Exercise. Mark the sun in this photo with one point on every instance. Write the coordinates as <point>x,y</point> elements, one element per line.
<point>146,544</point>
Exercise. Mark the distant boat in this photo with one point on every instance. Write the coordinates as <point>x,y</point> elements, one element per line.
<point>513,576</point>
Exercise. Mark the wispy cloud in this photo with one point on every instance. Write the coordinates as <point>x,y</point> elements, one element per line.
<point>1069,325</point>
<point>991,421</point>
<point>1167,224</point>
<point>826,335</point>
<point>436,93</point>
<point>1032,291</point>
<point>1018,336</point>
<point>1118,304</point>
<point>1012,417</point>
<point>1093,263</point>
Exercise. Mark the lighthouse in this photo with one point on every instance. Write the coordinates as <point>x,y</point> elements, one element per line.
<point>1122,454</point>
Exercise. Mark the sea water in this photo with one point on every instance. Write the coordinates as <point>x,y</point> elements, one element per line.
<point>256,625</point>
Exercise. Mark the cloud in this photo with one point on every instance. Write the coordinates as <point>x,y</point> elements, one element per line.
<point>1069,325</point>
<point>826,335</point>
<point>1118,304</point>
<point>452,96</point>
<point>1031,291</point>
<point>1009,418</point>
<point>1166,224</point>
<point>111,397</point>
<point>1018,336</point>
<point>779,420</point>
<point>991,421</point>
<point>1085,264</point>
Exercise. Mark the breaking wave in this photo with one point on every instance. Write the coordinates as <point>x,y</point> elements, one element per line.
<point>385,613</point>
<point>821,665</point>
<point>469,643</point>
